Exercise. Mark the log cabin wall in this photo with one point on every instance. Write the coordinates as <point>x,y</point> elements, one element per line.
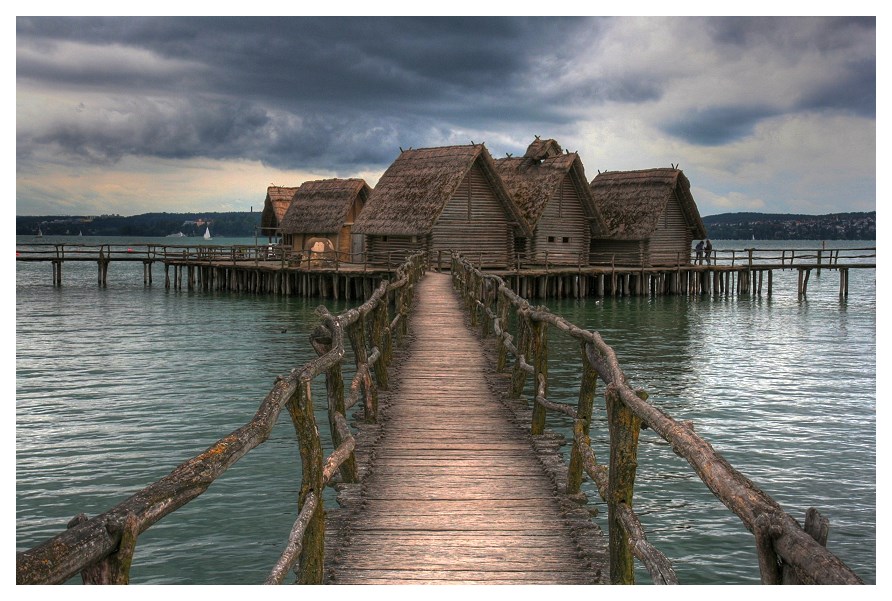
<point>617,252</point>
<point>474,223</point>
<point>381,247</point>
<point>563,229</point>
<point>671,239</point>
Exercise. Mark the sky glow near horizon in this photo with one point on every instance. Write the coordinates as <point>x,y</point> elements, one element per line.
<point>142,114</point>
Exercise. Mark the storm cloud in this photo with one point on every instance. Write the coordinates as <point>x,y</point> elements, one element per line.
<point>341,95</point>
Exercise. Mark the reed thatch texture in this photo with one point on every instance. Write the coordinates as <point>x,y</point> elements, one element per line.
<point>543,149</point>
<point>322,206</point>
<point>278,199</point>
<point>533,182</point>
<point>632,202</point>
<point>412,193</point>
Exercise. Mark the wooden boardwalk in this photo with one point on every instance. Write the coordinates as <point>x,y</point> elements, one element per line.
<point>455,492</point>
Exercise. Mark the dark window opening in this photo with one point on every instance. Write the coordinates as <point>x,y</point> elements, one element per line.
<point>566,240</point>
<point>551,238</point>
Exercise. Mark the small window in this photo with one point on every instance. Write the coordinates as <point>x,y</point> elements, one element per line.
<point>551,238</point>
<point>414,239</point>
<point>383,238</point>
<point>566,240</point>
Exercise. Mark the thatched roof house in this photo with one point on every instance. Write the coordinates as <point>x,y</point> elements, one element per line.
<point>278,199</point>
<point>650,217</point>
<point>553,195</point>
<point>326,209</point>
<point>440,199</point>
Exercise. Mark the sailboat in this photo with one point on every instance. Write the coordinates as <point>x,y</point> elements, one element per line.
<point>39,233</point>
<point>207,233</point>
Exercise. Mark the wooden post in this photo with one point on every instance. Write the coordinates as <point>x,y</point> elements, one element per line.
<point>379,325</point>
<point>300,406</point>
<point>502,308</point>
<point>519,375</point>
<point>770,280</point>
<point>334,385</point>
<point>356,332</point>
<point>817,527</point>
<point>113,568</point>
<point>584,419</point>
<point>769,566</point>
<point>624,427</point>
<point>539,349</point>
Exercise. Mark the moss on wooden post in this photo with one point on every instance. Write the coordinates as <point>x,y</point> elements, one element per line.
<point>539,350</point>
<point>334,386</point>
<point>502,309</point>
<point>356,333</point>
<point>519,375</point>
<point>584,418</point>
<point>379,326</point>
<point>624,427</point>
<point>300,406</point>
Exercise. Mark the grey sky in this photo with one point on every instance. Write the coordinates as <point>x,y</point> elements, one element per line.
<point>130,115</point>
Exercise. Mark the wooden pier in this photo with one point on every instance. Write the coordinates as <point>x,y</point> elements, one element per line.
<point>447,473</point>
<point>279,270</point>
<point>456,492</point>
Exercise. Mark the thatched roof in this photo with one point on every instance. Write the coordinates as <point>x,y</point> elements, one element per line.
<point>543,149</point>
<point>321,206</point>
<point>632,202</point>
<point>413,192</point>
<point>533,182</point>
<point>278,198</point>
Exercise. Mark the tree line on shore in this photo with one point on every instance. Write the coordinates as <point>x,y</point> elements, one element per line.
<point>243,224</point>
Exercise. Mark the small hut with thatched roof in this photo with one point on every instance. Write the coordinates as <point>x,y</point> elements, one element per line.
<point>326,209</point>
<point>278,199</point>
<point>650,216</point>
<point>440,199</point>
<point>551,191</point>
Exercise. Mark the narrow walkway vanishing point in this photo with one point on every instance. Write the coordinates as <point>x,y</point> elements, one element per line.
<point>455,492</point>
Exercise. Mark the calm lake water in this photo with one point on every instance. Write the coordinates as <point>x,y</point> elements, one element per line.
<point>117,386</point>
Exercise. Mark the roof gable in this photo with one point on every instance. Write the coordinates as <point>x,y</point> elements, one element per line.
<point>322,205</point>
<point>532,183</point>
<point>414,190</point>
<point>632,202</point>
<point>278,199</point>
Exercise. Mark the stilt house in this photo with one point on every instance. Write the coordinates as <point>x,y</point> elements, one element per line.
<point>441,199</point>
<point>551,191</point>
<point>650,217</point>
<point>322,213</point>
<point>278,199</point>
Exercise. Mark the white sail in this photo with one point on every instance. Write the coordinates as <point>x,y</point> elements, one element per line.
<point>207,233</point>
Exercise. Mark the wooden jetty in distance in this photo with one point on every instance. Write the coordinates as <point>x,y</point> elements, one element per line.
<point>445,448</point>
<point>337,275</point>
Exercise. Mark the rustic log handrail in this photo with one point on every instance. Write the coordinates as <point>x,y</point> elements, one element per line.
<point>101,548</point>
<point>795,549</point>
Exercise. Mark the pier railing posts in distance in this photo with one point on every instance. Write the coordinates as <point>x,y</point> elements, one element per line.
<point>624,427</point>
<point>502,308</point>
<point>300,406</point>
<point>379,327</point>
<point>584,407</point>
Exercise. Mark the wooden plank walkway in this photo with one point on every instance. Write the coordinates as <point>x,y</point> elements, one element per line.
<point>455,492</point>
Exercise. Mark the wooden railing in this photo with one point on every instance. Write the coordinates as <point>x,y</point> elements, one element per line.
<point>787,553</point>
<point>102,548</point>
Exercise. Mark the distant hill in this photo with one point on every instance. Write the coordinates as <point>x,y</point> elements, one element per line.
<point>777,226</point>
<point>233,225</point>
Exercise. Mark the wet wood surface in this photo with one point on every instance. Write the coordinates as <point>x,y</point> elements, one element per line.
<point>453,494</point>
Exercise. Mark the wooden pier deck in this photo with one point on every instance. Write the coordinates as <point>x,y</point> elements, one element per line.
<point>456,492</point>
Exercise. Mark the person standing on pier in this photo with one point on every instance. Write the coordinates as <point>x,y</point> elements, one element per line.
<point>699,249</point>
<point>708,249</point>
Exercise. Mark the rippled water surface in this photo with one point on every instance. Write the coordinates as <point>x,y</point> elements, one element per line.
<point>116,386</point>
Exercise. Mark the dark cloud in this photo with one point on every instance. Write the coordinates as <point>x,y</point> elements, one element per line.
<point>720,125</point>
<point>302,84</point>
